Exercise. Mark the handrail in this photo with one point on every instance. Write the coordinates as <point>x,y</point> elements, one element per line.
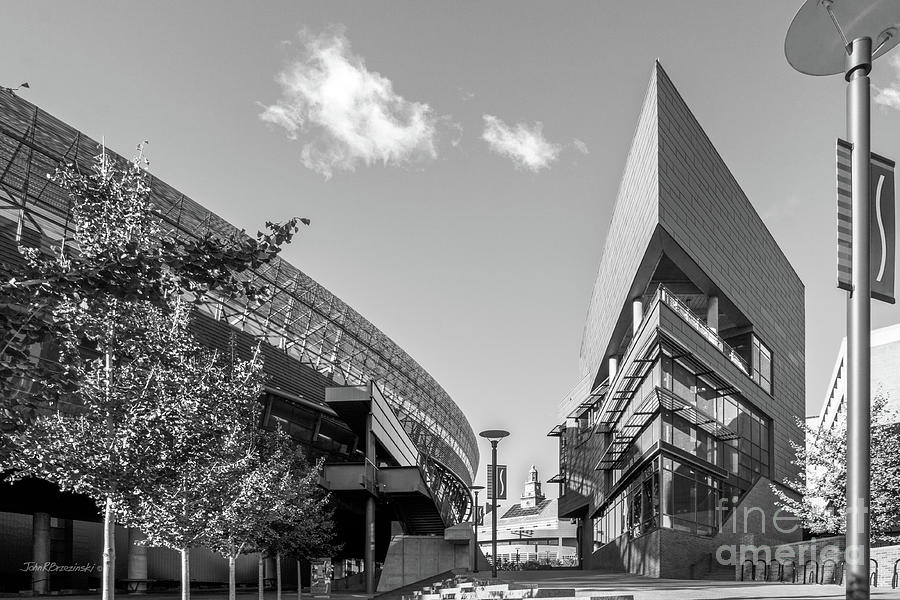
<point>752,569</point>
<point>711,335</point>
<point>815,572</point>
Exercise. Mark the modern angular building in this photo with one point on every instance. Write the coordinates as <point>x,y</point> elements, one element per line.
<point>692,360</point>
<point>399,452</point>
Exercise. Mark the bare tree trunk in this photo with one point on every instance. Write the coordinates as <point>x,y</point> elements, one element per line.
<point>109,522</point>
<point>262,573</point>
<point>278,576</point>
<point>185,574</point>
<point>109,552</point>
<point>232,591</point>
<point>299,581</point>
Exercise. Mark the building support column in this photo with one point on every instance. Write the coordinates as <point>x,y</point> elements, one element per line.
<point>370,503</point>
<point>370,546</point>
<point>137,559</point>
<point>712,313</point>
<point>637,315</point>
<point>40,535</point>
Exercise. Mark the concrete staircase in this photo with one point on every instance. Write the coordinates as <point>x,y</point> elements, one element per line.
<point>465,587</point>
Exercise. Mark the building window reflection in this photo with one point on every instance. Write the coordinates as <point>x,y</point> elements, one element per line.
<point>726,459</point>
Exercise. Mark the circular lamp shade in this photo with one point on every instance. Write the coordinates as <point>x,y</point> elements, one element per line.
<point>813,46</point>
<point>494,434</point>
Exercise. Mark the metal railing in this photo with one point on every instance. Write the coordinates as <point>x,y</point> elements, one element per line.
<point>682,310</point>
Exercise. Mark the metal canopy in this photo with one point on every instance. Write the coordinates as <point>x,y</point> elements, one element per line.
<point>814,46</point>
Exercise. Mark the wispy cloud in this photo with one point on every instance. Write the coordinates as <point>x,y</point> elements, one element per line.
<point>524,144</point>
<point>580,146</point>
<point>344,114</point>
<point>890,96</point>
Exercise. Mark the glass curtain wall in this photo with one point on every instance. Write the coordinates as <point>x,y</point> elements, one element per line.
<point>670,491</point>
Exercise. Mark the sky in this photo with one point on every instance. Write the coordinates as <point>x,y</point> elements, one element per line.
<point>459,160</point>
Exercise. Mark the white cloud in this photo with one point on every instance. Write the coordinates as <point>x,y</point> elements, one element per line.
<point>890,96</point>
<point>344,114</point>
<point>524,144</point>
<point>580,146</point>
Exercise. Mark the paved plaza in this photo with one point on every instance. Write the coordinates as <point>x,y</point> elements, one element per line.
<point>605,583</point>
<point>591,583</point>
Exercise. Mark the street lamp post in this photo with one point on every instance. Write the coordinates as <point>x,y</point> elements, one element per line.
<point>494,436</point>
<point>828,37</point>
<point>475,489</point>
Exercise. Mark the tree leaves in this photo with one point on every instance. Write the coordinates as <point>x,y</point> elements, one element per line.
<point>822,460</point>
<point>119,253</point>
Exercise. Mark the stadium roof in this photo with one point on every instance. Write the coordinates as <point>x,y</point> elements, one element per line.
<point>303,318</point>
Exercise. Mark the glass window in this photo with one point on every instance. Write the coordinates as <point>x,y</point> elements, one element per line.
<point>683,434</point>
<point>706,397</point>
<point>762,364</point>
<point>683,495</point>
<point>667,372</point>
<point>683,384</point>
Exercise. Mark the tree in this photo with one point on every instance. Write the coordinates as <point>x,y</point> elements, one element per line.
<point>209,404</point>
<point>265,486</point>
<point>304,527</point>
<point>101,291</point>
<point>822,506</point>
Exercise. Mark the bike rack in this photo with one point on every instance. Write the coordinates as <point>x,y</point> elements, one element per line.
<point>752,569</point>
<point>793,571</point>
<point>833,571</point>
<point>780,570</point>
<point>765,569</point>
<point>815,571</point>
<point>873,578</point>
<point>894,578</point>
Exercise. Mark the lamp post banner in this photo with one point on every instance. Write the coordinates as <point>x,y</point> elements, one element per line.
<point>882,229</point>
<point>501,482</point>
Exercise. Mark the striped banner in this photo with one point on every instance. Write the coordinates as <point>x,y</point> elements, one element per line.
<point>844,216</point>
<point>882,230</point>
<point>501,482</point>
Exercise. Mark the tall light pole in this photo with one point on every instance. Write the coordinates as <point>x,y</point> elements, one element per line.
<point>494,436</point>
<point>828,37</point>
<point>475,489</point>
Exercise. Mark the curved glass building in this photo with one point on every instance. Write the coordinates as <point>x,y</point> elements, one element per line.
<point>342,388</point>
